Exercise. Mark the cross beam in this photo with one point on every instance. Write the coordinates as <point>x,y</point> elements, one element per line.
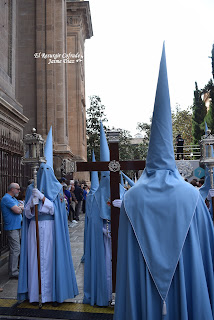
<point>114,166</point>
<point>104,165</point>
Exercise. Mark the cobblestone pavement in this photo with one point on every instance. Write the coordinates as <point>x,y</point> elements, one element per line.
<point>76,231</point>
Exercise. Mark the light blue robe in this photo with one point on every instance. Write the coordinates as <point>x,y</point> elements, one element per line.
<point>64,280</point>
<point>97,267</point>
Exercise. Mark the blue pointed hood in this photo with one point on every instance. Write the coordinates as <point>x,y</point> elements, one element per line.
<point>49,148</point>
<point>94,177</point>
<point>102,195</point>
<point>121,179</point>
<point>161,152</point>
<point>130,182</point>
<point>104,149</point>
<point>161,205</point>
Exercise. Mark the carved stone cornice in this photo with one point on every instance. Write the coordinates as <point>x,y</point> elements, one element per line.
<point>11,113</point>
<point>77,10</point>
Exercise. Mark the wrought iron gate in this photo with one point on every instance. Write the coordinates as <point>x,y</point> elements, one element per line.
<point>11,170</point>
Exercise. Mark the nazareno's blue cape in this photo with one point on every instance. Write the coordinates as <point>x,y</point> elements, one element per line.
<point>64,280</point>
<point>165,258</point>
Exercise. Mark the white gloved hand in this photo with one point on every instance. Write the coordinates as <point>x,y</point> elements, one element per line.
<point>37,194</point>
<point>117,203</point>
<point>210,194</point>
<point>34,201</point>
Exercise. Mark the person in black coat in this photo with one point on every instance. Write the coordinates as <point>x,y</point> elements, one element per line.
<point>180,148</point>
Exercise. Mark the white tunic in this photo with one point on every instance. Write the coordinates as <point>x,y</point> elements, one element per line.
<point>46,236</point>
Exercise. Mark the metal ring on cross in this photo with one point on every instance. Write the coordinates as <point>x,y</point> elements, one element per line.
<point>114,166</point>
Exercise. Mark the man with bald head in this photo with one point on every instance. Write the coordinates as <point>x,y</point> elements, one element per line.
<point>12,217</point>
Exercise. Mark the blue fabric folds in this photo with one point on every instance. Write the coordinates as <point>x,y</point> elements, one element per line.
<point>64,280</point>
<point>89,201</point>
<point>161,232</point>
<point>191,293</point>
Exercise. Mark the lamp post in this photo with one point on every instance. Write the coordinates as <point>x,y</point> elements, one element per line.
<point>207,157</point>
<point>34,155</point>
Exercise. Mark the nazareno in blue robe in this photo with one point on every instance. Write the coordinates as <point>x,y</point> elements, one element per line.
<point>189,293</point>
<point>64,279</point>
<point>97,267</point>
<point>89,201</point>
<point>165,263</point>
<point>96,286</point>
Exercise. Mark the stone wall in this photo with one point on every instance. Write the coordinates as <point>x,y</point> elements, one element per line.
<point>12,120</point>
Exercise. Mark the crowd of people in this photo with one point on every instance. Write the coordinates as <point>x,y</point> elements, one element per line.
<point>196,183</point>
<point>75,198</point>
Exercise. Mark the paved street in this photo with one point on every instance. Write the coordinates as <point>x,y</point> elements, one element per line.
<point>76,232</point>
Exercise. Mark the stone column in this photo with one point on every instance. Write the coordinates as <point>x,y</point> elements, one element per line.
<point>79,28</point>
<point>51,77</point>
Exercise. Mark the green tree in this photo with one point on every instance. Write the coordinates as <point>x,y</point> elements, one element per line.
<point>125,150</point>
<point>128,150</point>
<point>209,91</point>
<point>209,118</point>
<point>145,128</point>
<point>182,123</point>
<point>199,113</point>
<point>94,114</point>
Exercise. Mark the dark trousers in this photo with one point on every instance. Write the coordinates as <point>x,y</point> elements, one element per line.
<point>77,210</point>
<point>180,152</point>
<point>83,205</point>
<point>13,237</point>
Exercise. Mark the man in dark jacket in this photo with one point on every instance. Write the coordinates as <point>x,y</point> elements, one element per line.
<point>180,148</point>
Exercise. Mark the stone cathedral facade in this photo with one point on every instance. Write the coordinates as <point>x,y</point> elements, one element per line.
<point>42,74</point>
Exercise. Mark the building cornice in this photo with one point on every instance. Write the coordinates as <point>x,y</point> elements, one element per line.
<point>13,113</point>
<point>81,8</point>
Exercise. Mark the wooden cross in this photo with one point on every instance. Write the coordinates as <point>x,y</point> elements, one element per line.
<point>114,166</point>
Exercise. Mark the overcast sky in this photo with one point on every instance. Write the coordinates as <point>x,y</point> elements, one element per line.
<point>122,58</point>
